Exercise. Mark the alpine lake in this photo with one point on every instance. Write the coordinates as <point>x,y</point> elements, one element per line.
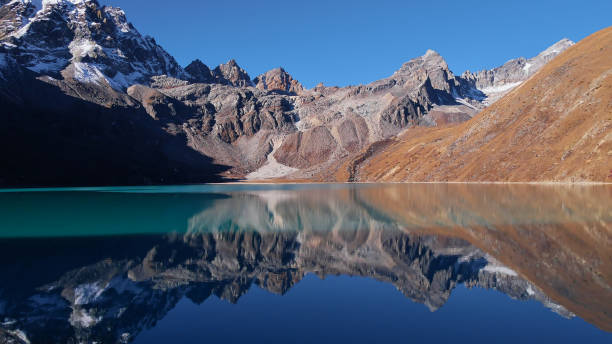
<point>307,263</point>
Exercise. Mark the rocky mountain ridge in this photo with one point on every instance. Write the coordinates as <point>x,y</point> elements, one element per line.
<point>556,127</point>
<point>497,81</point>
<point>268,127</point>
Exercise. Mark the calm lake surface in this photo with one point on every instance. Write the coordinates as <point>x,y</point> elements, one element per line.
<point>365,263</point>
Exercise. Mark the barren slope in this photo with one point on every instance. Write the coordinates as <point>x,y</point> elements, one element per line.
<point>557,126</point>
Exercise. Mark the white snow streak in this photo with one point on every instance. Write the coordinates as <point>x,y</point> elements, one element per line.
<point>87,293</point>
<point>500,88</point>
<point>499,269</point>
<point>87,73</point>
<point>21,335</point>
<point>81,318</point>
<point>83,48</point>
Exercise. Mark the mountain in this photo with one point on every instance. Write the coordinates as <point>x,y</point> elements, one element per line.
<point>278,80</point>
<point>230,73</point>
<point>338,123</point>
<point>95,76</point>
<point>498,81</point>
<point>90,43</point>
<point>199,72</point>
<point>554,127</point>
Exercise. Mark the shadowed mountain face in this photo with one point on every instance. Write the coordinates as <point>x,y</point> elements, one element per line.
<point>77,142</point>
<point>127,256</point>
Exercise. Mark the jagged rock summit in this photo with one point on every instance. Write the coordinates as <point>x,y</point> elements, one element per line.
<point>200,72</point>
<point>230,73</point>
<point>278,79</point>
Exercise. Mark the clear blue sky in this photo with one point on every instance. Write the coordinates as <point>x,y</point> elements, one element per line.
<point>341,42</point>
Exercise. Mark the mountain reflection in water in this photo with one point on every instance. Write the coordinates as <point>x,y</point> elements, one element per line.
<point>104,265</point>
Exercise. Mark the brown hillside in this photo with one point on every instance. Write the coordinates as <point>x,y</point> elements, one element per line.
<point>557,126</point>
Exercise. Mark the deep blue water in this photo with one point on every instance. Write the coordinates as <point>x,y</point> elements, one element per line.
<point>342,309</point>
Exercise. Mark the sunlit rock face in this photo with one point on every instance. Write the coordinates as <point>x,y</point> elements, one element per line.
<point>231,73</point>
<point>278,80</point>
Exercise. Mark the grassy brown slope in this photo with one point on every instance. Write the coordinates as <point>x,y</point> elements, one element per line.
<point>557,126</point>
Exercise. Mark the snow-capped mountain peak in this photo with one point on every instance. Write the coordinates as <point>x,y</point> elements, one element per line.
<point>47,36</point>
<point>557,48</point>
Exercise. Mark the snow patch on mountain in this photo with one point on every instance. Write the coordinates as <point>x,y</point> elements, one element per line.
<point>118,17</point>
<point>42,4</point>
<point>122,81</point>
<point>21,335</point>
<point>87,73</point>
<point>87,293</point>
<point>38,4</point>
<point>45,66</point>
<point>500,88</point>
<point>499,269</point>
<point>557,48</point>
<point>81,318</point>
<point>83,48</point>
